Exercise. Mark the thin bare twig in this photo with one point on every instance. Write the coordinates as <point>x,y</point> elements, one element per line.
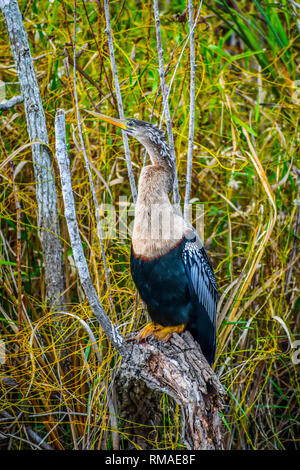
<point>7,104</point>
<point>119,100</point>
<point>166,94</point>
<point>87,166</point>
<point>37,439</point>
<point>18,216</point>
<point>83,72</point>
<point>192,112</point>
<point>160,52</point>
<point>181,54</point>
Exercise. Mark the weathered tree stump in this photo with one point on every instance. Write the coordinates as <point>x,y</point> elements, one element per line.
<point>179,369</point>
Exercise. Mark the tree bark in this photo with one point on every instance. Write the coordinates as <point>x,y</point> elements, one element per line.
<point>179,369</point>
<point>49,230</point>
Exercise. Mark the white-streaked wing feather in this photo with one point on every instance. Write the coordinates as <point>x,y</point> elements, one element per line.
<point>202,277</point>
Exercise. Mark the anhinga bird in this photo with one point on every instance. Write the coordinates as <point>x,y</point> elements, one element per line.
<point>169,264</point>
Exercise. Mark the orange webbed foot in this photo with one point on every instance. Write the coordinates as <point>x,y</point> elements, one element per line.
<point>162,333</point>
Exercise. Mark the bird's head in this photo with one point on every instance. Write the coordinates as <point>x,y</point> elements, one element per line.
<point>149,135</point>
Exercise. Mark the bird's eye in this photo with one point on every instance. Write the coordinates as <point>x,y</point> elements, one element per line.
<point>130,123</point>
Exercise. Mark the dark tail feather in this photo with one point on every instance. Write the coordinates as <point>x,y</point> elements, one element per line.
<point>204,333</point>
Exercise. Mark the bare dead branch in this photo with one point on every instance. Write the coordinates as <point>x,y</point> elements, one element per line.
<point>192,112</point>
<point>37,439</point>
<point>160,52</point>
<point>43,169</point>
<point>7,104</point>
<point>119,100</point>
<point>88,169</point>
<point>166,93</point>
<point>182,51</point>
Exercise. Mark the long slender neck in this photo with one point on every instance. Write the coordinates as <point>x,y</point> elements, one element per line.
<point>155,184</point>
<point>158,150</point>
<point>157,226</point>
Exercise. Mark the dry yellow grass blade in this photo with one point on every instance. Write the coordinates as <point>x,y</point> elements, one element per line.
<point>18,151</point>
<point>235,313</point>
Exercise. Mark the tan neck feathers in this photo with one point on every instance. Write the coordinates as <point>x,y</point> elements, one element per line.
<point>157,227</point>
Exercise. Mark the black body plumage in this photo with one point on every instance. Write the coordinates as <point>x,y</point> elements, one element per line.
<point>180,288</point>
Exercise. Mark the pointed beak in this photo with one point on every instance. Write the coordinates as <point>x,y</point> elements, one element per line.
<point>116,122</point>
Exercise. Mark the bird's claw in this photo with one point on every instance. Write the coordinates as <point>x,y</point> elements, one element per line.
<point>162,333</point>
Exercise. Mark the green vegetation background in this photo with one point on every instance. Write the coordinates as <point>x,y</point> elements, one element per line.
<point>244,173</point>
